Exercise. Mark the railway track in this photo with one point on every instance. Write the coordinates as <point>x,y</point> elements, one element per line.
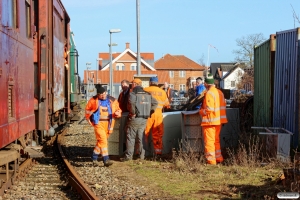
<point>49,177</point>
<point>66,172</point>
<point>118,181</point>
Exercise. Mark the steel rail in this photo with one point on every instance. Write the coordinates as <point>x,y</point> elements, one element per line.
<point>74,179</point>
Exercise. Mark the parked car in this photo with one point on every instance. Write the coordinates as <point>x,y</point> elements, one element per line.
<point>178,99</point>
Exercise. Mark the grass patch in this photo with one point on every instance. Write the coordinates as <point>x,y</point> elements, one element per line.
<point>242,176</point>
<point>216,182</point>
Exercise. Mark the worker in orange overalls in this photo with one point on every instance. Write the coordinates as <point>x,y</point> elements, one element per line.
<point>100,112</point>
<point>155,122</point>
<point>211,121</point>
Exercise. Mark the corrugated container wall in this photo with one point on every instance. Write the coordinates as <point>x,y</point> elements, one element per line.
<point>264,64</point>
<point>286,79</point>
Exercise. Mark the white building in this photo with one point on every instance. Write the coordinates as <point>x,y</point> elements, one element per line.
<point>231,78</point>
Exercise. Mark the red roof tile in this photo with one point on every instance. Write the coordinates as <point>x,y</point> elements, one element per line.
<point>177,62</point>
<point>145,56</point>
<point>163,76</point>
<point>106,56</point>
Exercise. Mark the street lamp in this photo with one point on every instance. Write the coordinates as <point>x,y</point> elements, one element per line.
<point>97,68</point>
<point>110,63</point>
<point>88,80</point>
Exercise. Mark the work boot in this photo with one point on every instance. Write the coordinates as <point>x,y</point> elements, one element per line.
<point>125,159</point>
<point>108,163</point>
<point>96,163</point>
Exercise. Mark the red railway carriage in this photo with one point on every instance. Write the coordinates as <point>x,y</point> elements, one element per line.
<point>16,71</point>
<point>34,74</point>
<point>51,44</point>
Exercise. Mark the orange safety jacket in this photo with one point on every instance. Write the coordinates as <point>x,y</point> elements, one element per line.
<point>223,116</point>
<point>210,109</point>
<point>160,95</point>
<point>93,105</point>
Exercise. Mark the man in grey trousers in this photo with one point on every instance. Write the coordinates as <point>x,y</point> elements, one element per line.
<point>140,105</point>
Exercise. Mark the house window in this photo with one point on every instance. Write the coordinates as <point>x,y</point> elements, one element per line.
<point>232,83</point>
<point>171,74</point>
<point>120,67</point>
<point>171,86</point>
<point>133,67</point>
<point>181,73</point>
<point>182,87</point>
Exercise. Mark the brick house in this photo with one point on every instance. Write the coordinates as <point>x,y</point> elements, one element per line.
<point>178,71</point>
<point>124,67</point>
<point>182,70</point>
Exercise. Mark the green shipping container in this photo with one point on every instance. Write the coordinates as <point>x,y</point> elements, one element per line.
<point>264,64</point>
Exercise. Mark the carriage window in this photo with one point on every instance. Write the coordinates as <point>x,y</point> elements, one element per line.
<point>10,13</point>
<point>28,19</point>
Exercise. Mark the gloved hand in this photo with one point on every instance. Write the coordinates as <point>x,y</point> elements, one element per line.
<point>117,113</point>
<point>89,121</point>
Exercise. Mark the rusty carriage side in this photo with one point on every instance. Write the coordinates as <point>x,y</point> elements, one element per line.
<point>52,88</point>
<point>16,71</point>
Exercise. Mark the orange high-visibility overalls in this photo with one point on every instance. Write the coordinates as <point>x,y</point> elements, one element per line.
<point>156,120</point>
<point>101,129</point>
<point>211,125</point>
<point>223,119</point>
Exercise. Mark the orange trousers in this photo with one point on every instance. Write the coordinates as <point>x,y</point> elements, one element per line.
<point>212,146</point>
<point>156,123</point>
<point>101,133</point>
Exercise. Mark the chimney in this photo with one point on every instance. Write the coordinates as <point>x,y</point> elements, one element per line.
<point>127,45</point>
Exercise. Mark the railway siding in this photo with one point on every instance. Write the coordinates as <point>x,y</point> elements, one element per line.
<point>106,182</point>
<point>46,179</point>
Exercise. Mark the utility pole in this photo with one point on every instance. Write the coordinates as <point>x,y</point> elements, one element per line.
<point>138,61</point>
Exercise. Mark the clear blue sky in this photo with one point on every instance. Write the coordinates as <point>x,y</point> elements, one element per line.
<point>177,27</point>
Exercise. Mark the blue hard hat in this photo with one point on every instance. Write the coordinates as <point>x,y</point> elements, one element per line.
<point>154,79</point>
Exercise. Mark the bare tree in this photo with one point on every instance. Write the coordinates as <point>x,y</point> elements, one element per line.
<point>245,53</point>
<point>201,60</point>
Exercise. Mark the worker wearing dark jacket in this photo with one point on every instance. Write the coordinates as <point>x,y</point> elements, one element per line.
<point>100,112</point>
<point>124,95</point>
<point>140,105</point>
